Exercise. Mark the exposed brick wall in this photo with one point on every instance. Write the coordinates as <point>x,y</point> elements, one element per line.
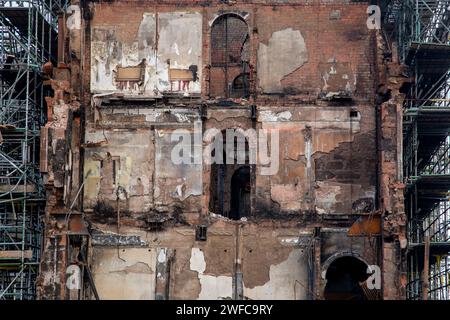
<point>345,39</point>
<point>228,34</point>
<point>333,31</point>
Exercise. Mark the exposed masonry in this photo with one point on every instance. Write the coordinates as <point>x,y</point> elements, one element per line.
<point>118,205</point>
<point>285,52</point>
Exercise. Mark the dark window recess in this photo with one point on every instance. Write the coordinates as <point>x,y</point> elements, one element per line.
<point>230,183</point>
<point>155,226</point>
<point>239,87</point>
<point>200,233</point>
<point>229,57</point>
<point>108,172</point>
<point>240,193</point>
<point>354,114</point>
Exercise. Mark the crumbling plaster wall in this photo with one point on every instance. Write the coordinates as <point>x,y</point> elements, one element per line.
<point>286,52</point>
<point>331,45</point>
<point>307,134</point>
<point>392,76</point>
<point>175,181</point>
<point>124,273</point>
<point>288,45</point>
<point>150,182</point>
<point>133,152</point>
<point>327,160</point>
<point>140,37</point>
<point>273,262</point>
<point>272,250</point>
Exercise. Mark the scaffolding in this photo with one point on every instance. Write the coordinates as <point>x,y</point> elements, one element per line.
<point>28,34</point>
<point>422,31</point>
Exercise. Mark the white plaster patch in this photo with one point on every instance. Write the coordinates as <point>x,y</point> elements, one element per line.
<point>285,115</point>
<point>212,287</point>
<point>162,256</point>
<point>326,197</point>
<point>271,116</point>
<point>289,240</point>
<point>285,52</point>
<point>215,287</point>
<point>197,261</point>
<point>182,117</point>
<point>287,280</point>
<point>179,190</point>
<point>152,117</point>
<point>175,49</point>
<point>179,41</point>
<point>74,19</point>
<point>308,152</point>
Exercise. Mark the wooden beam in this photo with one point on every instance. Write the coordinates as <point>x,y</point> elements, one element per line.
<point>16,254</point>
<point>366,225</point>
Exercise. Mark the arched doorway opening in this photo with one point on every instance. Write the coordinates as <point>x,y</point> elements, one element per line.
<point>344,277</point>
<point>230,183</point>
<point>240,193</point>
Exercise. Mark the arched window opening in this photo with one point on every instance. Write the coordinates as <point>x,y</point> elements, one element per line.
<point>230,56</point>
<point>239,87</point>
<point>345,279</point>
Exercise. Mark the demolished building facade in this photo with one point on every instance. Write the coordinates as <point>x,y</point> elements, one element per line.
<point>123,221</point>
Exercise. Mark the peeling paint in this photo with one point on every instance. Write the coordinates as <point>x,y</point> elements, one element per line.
<point>288,280</point>
<point>273,116</point>
<point>124,273</point>
<point>212,287</point>
<point>179,41</point>
<point>285,52</point>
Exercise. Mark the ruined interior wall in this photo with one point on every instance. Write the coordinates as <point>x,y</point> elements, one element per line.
<point>331,42</point>
<point>152,41</point>
<point>148,181</point>
<point>327,154</point>
<point>204,270</point>
<point>321,63</point>
<point>141,208</point>
<point>158,199</point>
<point>124,274</point>
<point>392,76</point>
<point>327,161</point>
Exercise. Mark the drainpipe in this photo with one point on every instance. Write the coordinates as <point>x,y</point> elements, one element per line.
<point>238,281</point>
<point>315,267</point>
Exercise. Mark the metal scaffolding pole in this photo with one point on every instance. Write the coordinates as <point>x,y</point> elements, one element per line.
<point>423,37</point>
<point>421,29</point>
<point>28,31</point>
